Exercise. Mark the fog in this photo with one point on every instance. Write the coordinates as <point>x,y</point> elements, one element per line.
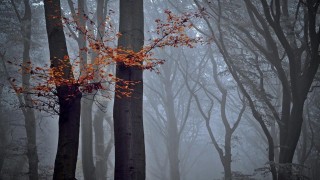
<point>231,91</point>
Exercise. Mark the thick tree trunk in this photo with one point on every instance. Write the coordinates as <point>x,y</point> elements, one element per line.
<point>69,96</point>
<point>128,117</point>
<point>287,148</point>
<point>68,142</point>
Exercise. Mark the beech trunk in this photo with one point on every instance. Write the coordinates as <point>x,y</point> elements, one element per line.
<point>69,96</point>
<point>128,119</point>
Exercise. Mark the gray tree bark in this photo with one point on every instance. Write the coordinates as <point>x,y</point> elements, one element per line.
<point>173,140</point>
<point>26,105</point>
<point>69,96</point>
<point>87,120</point>
<point>128,117</point>
<point>88,167</point>
<point>3,133</point>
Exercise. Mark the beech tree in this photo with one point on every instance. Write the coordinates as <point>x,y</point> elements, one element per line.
<point>127,114</point>
<point>292,56</point>
<point>193,74</point>
<point>68,94</point>
<point>25,99</point>
<point>86,106</point>
<point>82,28</point>
<point>58,90</point>
<point>303,68</point>
<point>175,101</point>
<point>28,112</point>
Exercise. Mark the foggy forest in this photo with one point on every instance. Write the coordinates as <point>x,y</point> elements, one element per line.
<point>159,89</point>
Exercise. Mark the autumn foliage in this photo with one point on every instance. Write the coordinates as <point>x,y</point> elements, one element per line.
<point>94,76</point>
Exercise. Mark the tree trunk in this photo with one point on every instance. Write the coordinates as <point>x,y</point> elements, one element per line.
<point>287,149</point>
<point>3,138</point>
<point>174,159</point>
<point>173,152</point>
<point>101,169</point>
<point>68,142</point>
<point>127,113</point>
<point>32,155</point>
<point>29,116</point>
<point>88,167</point>
<point>69,96</point>
<point>87,138</point>
<point>302,152</point>
<point>173,137</point>
<point>107,154</point>
<point>89,170</point>
<point>227,156</point>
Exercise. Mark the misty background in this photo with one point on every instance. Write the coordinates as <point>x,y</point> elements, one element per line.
<point>199,123</point>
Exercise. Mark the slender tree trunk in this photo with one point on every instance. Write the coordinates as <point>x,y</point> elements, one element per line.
<point>32,155</point>
<point>89,170</point>
<point>88,167</point>
<point>302,153</point>
<point>101,169</point>
<point>173,140</point>
<point>102,152</point>
<point>173,152</point>
<point>227,156</point>
<point>273,132</point>
<point>69,96</point>
<point>109,146</point>
<point>30,120</point>
<point>87,138</point>
<point>107,154</point>
<point>3,139</point>
<point>3,144</point>
<point>128,118</point>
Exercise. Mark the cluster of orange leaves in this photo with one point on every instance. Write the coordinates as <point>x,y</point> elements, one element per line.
<point>173,31</point>
<point>93,76</point>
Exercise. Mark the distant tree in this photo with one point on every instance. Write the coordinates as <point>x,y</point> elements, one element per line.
<point>82,28</point>
<point>289,48</point>
<point>86,107</point>
<point>224,98</point>
<point>176,102</point>
<point>30,120</point>
<point>25,99</point>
